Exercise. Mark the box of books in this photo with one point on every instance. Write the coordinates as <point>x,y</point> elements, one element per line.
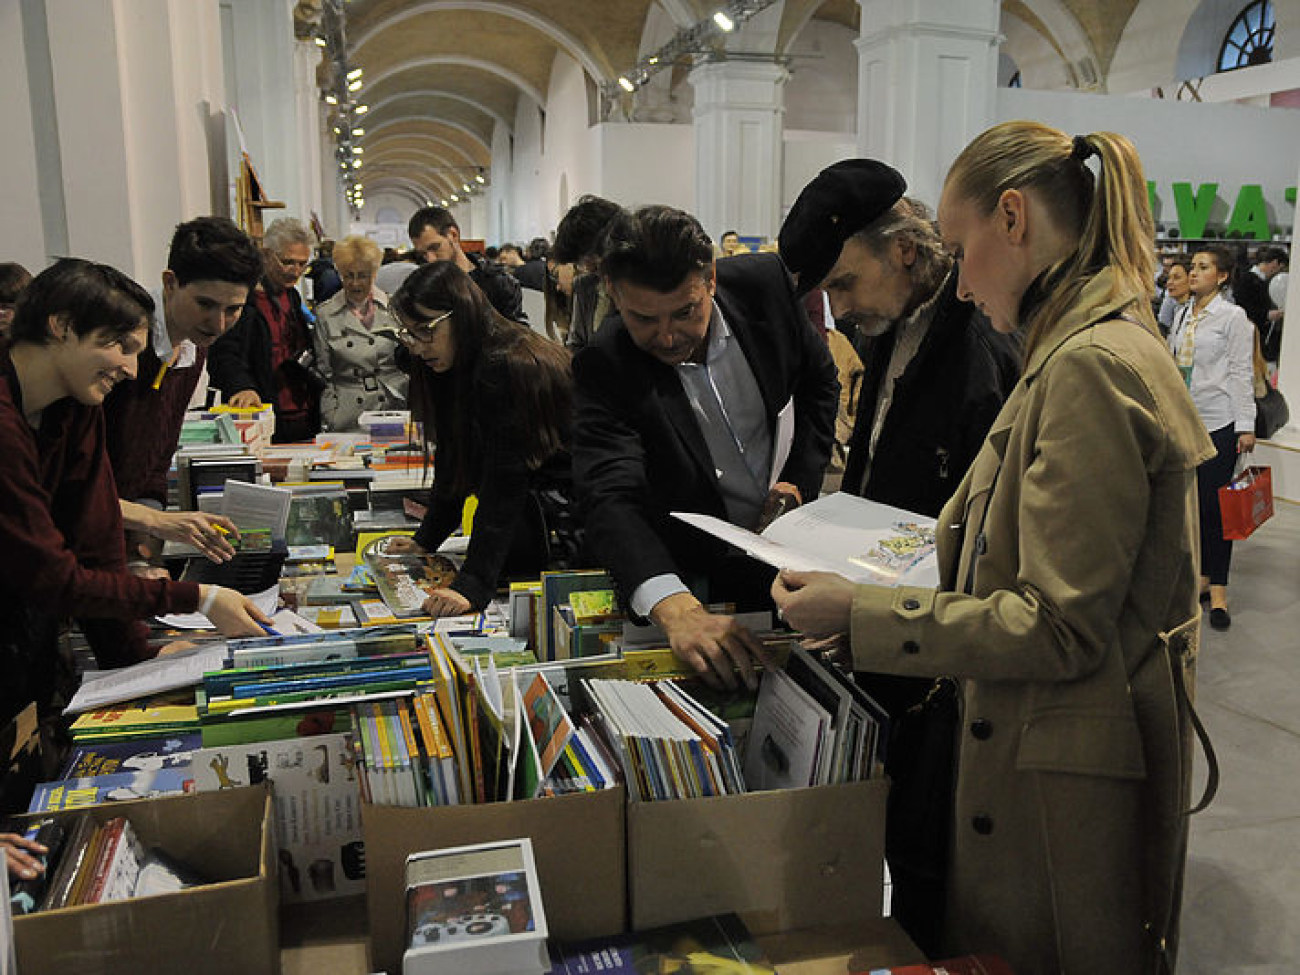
<point>178,883</point>
<point>577,841</point>
<point>783,860</point>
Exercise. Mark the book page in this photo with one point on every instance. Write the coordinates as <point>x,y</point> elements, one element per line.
<point>862,540</point>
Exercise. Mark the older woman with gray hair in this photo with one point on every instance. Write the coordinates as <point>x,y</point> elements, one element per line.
<point>354,341</point>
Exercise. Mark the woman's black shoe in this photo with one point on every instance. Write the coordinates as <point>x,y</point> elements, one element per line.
<point>1219,619</point>
<point>1205,598</point>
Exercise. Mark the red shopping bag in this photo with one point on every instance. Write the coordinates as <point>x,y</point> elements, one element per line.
<point>1246,502</point>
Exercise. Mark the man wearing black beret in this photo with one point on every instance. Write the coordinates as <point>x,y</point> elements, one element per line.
<point>936,371</point>
<point>936,376</point>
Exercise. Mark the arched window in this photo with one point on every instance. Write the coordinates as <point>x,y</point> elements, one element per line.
<point>1249,40</point>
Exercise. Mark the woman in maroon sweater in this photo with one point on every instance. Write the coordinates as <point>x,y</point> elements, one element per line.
<point>77,331</point>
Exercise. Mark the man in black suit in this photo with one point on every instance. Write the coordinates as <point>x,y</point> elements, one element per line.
<point>689,399</point>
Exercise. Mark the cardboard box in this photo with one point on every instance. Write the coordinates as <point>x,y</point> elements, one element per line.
<point>578,843</point>
<point>782,860</point>
<point>230,925</point>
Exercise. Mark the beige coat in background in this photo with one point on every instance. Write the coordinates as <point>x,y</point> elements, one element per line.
<point>357,364</point>
<point>1077,529</point>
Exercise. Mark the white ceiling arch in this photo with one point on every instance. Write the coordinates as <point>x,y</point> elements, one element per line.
<point>431,168</point>
<point>571,45</point>
<point>419,181</point>
<point>397,188</point>
<point>389,123</point>
<point>1067,35</point>
<point>463,61</point>
<point>454,96</point>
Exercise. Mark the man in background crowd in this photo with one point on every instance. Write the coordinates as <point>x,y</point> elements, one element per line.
<point>435,236</point>
<point>1251,291</point>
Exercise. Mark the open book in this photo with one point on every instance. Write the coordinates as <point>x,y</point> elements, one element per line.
<point>862,540</point>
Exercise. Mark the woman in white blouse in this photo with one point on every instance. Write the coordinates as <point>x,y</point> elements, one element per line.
<point>1212,340</point>
<point>355,341</point>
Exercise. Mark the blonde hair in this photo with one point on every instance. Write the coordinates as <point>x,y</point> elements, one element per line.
<point>1108,215</point>
<point>358,252</point>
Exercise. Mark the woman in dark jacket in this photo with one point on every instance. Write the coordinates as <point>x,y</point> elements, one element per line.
<point>495,401</point>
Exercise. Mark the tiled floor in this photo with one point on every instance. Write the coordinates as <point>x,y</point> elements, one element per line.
<point>1241,907</point>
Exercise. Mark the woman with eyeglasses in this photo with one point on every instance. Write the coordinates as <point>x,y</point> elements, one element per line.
<point>495,401</point>
<point>77,332</point>
<point>354,341</point>
<point>267,355</point>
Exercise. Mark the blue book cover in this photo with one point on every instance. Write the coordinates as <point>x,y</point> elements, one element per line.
<point>75,793</point>
<point>136,755</point>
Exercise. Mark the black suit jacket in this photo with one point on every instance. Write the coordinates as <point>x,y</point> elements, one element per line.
<point>639,452</point>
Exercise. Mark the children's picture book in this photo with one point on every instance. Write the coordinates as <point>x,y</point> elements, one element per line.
<point>136,755</point>
<point>720,943</point>
<point>550,724</point>
<point>115,787</point>
<point>406,580</point>
<point>475,909</point>
<point>317,808</point>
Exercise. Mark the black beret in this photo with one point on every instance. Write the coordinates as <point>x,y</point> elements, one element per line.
<point>840,201</point>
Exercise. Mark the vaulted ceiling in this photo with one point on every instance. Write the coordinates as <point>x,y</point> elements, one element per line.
<point>441,75</point>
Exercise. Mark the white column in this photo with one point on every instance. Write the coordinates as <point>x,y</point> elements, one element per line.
<point>307,103</point>
<point>739,122</point>
<point>262,84</point>
<point>118,97</point>
<point>927,78</point>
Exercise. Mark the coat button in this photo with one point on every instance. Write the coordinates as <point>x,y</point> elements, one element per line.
<point>911,646</point>
<point>910,603</point>
<point>981,728</point>
<point>982,824</point>
<point>349,343</point>
<point>372,341</point>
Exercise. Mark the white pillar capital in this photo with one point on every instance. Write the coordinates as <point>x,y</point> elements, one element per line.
<point>927,81</point>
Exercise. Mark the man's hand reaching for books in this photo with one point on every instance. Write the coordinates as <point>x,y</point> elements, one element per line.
<point>818,604</point>
<point>713,645</point>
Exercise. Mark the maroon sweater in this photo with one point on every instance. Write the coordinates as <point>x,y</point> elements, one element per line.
<point>61,546</point>
<point>144,425</point>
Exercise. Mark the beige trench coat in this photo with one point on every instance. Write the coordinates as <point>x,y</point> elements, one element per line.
<point>358,365</point>
<point>1076,532</point>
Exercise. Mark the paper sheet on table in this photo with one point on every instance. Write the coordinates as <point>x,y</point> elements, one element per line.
<point>265,601</point>
<point>862,540</point>
<point>101,688</point>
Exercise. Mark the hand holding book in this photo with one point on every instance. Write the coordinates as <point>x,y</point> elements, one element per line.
<point>818,604</point>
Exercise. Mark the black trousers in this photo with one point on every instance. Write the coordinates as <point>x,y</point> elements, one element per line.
<point>1216,552</point>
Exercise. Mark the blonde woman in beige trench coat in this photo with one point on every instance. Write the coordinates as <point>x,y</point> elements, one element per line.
<point>1068,608</point>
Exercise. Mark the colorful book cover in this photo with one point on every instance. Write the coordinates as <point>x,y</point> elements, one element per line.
<point>119,786</point>
<point>139,754</point>
<point>317,808</point>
